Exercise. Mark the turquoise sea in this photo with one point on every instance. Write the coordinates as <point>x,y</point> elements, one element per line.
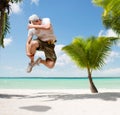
<point>57,83</point>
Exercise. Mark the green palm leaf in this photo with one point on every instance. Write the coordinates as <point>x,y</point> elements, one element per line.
<point>5,28</point>
<point>111,14</point>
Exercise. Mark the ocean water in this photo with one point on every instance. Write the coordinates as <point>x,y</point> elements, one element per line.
<point>57,83</point>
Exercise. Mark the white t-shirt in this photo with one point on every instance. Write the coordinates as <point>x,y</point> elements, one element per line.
<point>44,35</point>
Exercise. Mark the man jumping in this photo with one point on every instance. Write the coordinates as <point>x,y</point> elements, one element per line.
<point>45,39</point>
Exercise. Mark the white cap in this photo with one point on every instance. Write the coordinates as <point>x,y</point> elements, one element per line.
<point>33,17</point>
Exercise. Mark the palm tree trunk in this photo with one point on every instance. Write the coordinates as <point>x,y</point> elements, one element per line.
<point>92,86</point>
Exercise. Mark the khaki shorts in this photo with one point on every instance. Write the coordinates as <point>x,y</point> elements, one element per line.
<point>48,49</point>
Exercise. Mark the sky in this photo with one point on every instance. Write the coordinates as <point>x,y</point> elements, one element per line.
<point>70,18</point>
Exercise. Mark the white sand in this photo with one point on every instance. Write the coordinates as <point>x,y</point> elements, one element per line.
<point>59,102</point>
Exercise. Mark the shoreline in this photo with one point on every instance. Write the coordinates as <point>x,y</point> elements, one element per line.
<point>58,77</point>
<point>59,102</point>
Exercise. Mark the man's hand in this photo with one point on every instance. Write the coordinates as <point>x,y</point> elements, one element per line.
<point>30,26</point>
<point>44,27</point>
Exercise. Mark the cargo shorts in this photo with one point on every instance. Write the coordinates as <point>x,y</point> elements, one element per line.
<point>48,49</point>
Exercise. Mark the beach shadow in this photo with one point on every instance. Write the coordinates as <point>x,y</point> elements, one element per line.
<point>9,96</point>
<point>36,108</point>
<point>53,96</point>
<point>106,96</point>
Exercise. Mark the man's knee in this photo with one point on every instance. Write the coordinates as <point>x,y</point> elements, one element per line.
<point>34,43</point>
<point>30,55</point>
<point>50,64</point>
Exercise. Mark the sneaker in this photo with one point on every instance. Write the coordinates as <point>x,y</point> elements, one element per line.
<point>31,65</point>
<point>29,68</point>
<point>37,62</point>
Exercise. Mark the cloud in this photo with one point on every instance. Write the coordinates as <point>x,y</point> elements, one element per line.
<point>36,2</point>
<point>112,57</point>
<point>40,54</point>
<point>108,33</point>
<point>118,44</point>
<point>114,54</point>
<point>112,71</point>
<point>15,8</point>
<point>108,73</point>
<point>62,58</point>
<point>7,41</point>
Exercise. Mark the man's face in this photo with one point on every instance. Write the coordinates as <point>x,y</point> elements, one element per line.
<point>36,22</point>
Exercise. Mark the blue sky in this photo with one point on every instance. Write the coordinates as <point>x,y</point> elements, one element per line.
<point>70,18</point>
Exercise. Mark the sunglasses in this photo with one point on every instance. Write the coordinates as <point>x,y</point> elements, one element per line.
<point>36,21</point>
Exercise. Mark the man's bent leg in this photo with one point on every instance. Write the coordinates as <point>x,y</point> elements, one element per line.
<point>48,63</point>
<point>32,49</point>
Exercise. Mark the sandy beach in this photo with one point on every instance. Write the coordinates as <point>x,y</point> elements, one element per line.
<point>59,102</point>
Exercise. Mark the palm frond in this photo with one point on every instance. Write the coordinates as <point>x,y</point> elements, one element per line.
<point>5,28</point>
<point>111,14</point>
<point>102,46</point>
<point>76,50</point>
<point>6,24</point>
<point>101,3</point>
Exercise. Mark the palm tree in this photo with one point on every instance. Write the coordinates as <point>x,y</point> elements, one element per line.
<point>90,54</point>
<point>111,13</point>
<point>4,18</point>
